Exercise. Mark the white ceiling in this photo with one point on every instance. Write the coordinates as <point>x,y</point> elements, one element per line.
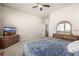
<point>27,7</point>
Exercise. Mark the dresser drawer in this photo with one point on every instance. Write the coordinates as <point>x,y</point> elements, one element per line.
<point>66,37</point>
<point>60,36</point>
<point>6,41</point>
<point>69,37</point>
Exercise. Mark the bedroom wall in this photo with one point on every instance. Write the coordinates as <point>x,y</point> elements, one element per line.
<point>47,21</point>
<point>0,20</point>
<point>70,13</point>
<point>28,26</point>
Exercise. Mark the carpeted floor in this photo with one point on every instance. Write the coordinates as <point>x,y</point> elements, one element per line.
<point>16,49</point>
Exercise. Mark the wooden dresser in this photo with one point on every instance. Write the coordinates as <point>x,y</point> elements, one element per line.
<point>6,41</point>
<point>66,37</point>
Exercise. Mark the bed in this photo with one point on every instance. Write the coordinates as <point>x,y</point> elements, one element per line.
<point>47,47</point>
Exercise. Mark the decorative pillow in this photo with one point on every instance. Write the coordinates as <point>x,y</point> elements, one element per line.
<point>73,47</point>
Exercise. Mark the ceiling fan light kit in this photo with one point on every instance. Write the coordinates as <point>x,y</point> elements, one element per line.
<point>40,6</point>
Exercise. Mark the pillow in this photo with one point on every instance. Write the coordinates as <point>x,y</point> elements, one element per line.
<point>73,47</point>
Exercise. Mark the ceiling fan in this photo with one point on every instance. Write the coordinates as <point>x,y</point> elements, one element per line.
<point>40,6</point>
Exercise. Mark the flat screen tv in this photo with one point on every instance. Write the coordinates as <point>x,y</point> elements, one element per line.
<point>9,29</point>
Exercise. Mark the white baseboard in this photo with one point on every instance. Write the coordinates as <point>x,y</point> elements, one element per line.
<point>32,37</point>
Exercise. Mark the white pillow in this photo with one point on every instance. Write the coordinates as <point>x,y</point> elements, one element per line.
<point>73,47</point>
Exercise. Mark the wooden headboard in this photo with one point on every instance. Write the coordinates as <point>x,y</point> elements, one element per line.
<point>66,37</point>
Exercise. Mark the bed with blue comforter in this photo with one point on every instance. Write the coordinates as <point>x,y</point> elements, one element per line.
<point>47,47</point>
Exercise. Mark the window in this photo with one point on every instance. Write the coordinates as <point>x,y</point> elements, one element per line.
<point>64,27</point>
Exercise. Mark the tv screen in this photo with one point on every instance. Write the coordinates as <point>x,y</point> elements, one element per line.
<point>9,29</point>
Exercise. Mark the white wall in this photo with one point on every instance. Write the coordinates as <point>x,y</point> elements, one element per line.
<point>0,20</point>
<point>28,25</point>
<point>47,21</point>
<point>0,16</point>
<point>70,13</point>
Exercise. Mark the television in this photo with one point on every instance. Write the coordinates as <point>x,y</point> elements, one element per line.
<point>9,30</point>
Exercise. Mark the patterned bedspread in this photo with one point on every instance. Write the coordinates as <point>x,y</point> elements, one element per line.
<point>47,47</point>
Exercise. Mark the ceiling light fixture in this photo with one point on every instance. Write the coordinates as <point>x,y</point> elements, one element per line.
<point>40,6</point>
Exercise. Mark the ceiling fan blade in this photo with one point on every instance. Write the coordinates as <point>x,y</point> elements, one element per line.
<point>46,5</point>
<point>35,6</point>
<point>40,9</point>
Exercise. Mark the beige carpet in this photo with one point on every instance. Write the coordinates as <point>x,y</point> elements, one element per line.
<point>16,49</point>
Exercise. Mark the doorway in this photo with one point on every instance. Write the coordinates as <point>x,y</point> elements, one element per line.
<point>47,31</point>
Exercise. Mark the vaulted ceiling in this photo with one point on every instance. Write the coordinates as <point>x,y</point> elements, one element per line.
<point>27,7</point>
